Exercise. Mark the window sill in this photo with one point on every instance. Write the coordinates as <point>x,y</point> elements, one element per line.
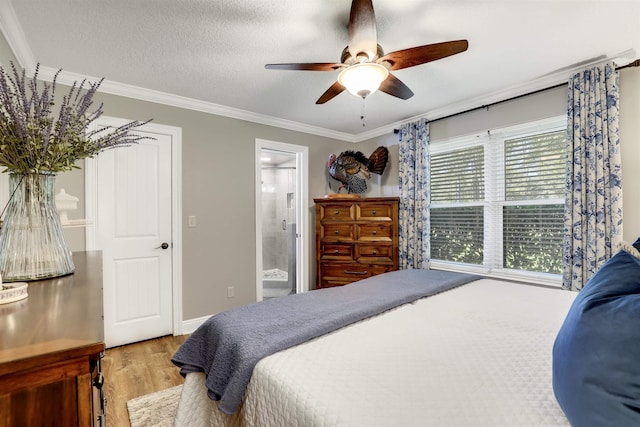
<point>545,279</point>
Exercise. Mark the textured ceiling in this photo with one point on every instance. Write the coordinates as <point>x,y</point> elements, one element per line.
<point>210,54</point>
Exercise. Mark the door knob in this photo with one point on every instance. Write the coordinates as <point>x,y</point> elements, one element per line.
<point>164,245</point>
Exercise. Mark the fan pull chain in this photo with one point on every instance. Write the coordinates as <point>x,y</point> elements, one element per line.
<point>362,113</point>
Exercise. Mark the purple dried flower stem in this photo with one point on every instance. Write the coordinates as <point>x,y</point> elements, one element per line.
<point>33,141</point>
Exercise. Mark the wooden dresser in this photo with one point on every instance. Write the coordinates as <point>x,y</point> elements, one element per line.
<point>50,348</point>
<point>355,238</point>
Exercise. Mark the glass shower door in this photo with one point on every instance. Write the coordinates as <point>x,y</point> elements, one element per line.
<point>279,234</point>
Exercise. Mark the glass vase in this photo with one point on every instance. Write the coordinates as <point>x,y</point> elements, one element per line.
<point>32,245</point>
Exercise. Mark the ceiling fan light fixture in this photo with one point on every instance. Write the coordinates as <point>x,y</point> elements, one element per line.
<point>363,79</point>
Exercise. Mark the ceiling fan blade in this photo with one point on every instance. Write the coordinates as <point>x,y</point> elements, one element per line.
<point>422,54</point>
<point>335,90</point>
<point>362,29</point>
<point>394,87</point>
<point>305,67</point>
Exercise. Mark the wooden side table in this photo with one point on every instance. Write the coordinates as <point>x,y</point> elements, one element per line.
<point>50,349</point>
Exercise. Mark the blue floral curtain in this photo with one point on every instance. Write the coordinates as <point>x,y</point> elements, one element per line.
<point>593,208</point>
<point>414,182</point>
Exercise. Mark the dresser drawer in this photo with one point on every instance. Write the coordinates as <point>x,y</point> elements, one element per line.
<point>351,271</point>
<point>336,251</point>
<point>337,212</point>
<point>375,232</point>
<point>366,253</point>
<point>338,232</point>
<point>342,274</point>
<point>375,212</point>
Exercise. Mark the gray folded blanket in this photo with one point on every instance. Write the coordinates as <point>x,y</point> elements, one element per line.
<point>229,345</point>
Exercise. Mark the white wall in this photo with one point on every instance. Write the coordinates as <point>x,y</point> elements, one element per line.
<point>630,142</point>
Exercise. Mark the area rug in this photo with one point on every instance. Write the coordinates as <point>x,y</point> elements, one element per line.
<point>156,409</point>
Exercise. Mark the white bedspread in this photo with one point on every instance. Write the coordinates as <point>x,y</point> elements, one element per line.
<point>478,355</point>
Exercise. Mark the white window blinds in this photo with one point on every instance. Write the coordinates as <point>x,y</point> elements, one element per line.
<point>535,166</point>
<point>533,223</point>
<point>497,201</point>
<point>458,176</point>
<point>457,211</point>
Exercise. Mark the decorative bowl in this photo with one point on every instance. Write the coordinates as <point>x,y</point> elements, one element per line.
<point>11,292</point>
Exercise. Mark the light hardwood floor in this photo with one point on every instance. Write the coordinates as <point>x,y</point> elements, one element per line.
<point>135,370</point>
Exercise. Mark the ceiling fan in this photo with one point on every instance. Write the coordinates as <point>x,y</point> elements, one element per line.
<point>364,67</point>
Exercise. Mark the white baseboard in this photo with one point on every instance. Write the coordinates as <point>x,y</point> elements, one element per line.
<point>189,326</point>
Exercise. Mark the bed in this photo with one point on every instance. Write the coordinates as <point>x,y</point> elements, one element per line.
<point>478,353</point>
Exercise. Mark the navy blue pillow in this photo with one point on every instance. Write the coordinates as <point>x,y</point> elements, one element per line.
<point>596,355</point>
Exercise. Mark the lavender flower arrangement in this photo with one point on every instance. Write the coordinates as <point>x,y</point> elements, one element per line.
<point>35,139</point>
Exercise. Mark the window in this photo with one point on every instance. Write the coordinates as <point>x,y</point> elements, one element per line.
<point>533,210</point>
<point>497,200</point>
<point>457,205</point>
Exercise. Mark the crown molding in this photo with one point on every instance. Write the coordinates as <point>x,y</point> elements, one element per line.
<point>136,92</point>
<point>544,82</point>
<point>547,81</point>
<point>15,37</point>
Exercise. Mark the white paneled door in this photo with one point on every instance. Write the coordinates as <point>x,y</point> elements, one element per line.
<point>133,229</point>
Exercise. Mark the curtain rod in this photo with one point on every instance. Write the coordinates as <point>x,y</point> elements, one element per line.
<point>635,63</point>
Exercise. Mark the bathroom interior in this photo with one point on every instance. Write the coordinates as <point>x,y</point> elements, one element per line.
<point>278,223</point>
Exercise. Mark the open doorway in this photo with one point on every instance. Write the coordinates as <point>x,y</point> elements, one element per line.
<point>281,219</point>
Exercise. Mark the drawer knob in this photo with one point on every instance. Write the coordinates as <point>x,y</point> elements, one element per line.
<point>336,212</point>
<point>373,212</point>
<point>336,251</point>
<point>337,232</point>
<point>375,252</point>
<point>375,232</point>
